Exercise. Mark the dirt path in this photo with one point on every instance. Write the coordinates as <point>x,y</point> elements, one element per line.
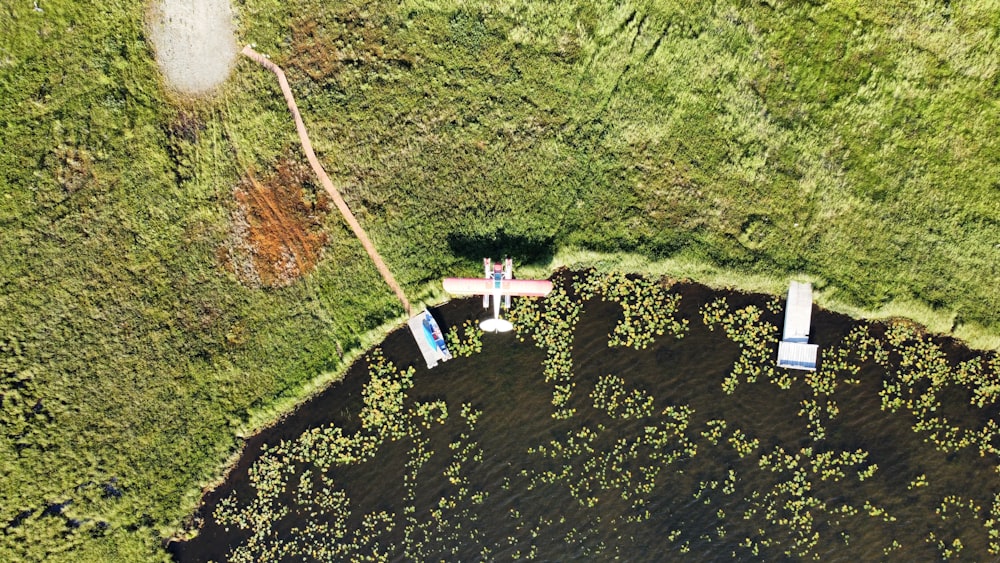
<point>325,180</point>
<point>194,42</point>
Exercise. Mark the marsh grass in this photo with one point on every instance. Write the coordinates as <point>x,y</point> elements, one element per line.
<point>685,266</point>
<point>852,144</point>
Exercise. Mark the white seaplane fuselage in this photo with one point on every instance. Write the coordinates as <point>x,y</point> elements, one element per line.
<point>499,283</point>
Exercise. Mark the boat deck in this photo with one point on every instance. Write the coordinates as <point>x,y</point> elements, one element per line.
<point>794,350</point>
<point>431,355</point>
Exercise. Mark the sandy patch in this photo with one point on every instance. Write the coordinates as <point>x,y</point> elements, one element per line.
<point>194,42</point>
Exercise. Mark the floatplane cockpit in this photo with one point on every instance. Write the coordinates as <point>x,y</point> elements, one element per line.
<point>498,282</point>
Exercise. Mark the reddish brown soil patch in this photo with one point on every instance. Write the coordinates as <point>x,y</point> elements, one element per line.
<point>277,231</point>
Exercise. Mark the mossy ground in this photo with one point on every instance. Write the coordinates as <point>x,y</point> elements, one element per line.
<point>853,143</point>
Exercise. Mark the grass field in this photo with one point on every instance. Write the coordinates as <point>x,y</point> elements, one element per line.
<point>851,142</point>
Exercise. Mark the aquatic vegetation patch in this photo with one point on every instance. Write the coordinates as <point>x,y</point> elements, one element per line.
<point>919,373</point>
<point>792,502</point>
<point>838,364</point>
<point>649,309</point>
<point>757,340</point>
<point>611,396</point>
<point>643,461</point>
<point>627,468</point>
<point>384,418</point>
<point>549,323</point>
<point>464,340</point>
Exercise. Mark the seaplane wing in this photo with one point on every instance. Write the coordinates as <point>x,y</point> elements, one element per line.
<point>497,282</point>
<point>480,286</point>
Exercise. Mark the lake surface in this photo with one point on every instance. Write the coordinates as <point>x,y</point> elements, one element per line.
<point>656,462</point>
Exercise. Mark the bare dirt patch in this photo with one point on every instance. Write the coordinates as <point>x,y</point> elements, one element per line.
<point>194,42</point>
<point>276,234</point>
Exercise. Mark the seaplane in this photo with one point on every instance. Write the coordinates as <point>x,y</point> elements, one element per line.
<point>499,283</point>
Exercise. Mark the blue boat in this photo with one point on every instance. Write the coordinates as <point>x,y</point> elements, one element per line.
<point>429,338</point>
<point>434,337</point>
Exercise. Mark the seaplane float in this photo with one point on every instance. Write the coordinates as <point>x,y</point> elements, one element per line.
<point>499,283</point>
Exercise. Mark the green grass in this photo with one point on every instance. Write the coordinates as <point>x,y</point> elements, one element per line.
<point>852,144</point>
<point>940,321</point>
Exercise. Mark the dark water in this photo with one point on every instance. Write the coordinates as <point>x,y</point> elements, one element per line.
<point>519,516</point>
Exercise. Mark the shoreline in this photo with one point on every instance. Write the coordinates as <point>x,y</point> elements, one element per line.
<point>289,408</point>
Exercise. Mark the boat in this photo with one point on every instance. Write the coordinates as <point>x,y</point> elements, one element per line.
<point>434,336</point>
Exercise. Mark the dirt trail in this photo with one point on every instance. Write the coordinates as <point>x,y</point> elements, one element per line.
<point>325,180</point>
